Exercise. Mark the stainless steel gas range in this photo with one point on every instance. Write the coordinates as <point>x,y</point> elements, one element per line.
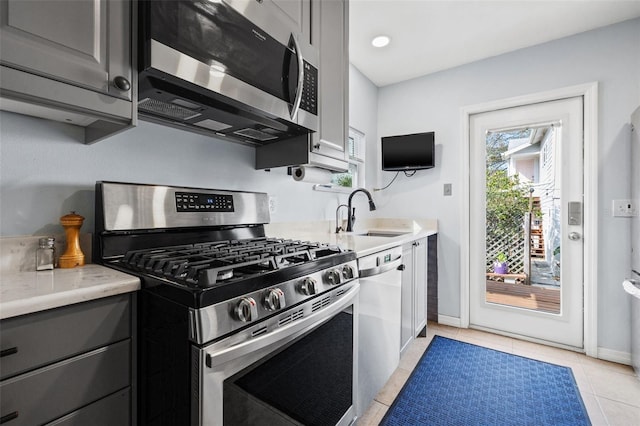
<point>234,328</point>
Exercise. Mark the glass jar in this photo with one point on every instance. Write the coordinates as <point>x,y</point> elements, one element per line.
<point>46,254</point>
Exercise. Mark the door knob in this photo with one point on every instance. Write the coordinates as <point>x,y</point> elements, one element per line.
<point>574,236</point>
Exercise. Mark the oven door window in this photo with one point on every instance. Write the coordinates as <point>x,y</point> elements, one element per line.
<point>310,382</point>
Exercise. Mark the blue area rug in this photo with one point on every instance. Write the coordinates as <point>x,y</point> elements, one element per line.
<point>458,383</point>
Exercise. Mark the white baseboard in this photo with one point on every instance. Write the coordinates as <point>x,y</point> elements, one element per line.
<point>614,356</point>
<point>451,321</point>
<point>603,353</point>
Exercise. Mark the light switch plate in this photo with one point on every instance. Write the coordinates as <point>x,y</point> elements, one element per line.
<point>447,189</point>
<point>624,208</point>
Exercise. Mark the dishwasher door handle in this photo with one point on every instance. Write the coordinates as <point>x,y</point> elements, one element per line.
<point>381,269</point>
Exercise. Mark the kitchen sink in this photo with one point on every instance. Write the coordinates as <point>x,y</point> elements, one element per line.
<point>383,234</point>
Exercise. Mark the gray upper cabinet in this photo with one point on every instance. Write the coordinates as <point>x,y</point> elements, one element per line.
<point>78,42</point>
<point>69,60</point>
<point>300,13</point>
<point>331,35</point>
<point>326,24</point>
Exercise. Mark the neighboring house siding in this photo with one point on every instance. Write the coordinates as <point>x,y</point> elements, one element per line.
<point>527,172</point>
<point>549,192</point>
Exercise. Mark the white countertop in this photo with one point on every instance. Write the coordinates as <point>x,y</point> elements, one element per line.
<point>30,291</point>
<point>24,291</point>
<point>324,232</point>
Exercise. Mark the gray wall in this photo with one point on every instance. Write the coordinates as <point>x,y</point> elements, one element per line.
<point>610,56</point>
<point>363,116</point>
<point>45,172</point>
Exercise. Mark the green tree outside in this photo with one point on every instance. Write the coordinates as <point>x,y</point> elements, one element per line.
<point>507,201</point>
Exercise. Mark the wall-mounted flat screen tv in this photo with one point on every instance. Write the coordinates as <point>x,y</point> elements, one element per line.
<point>408,152</point>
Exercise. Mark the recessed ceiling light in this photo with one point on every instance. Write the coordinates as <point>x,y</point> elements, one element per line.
<point>380,41</point>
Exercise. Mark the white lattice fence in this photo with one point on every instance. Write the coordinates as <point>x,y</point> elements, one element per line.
<point>513,246</point>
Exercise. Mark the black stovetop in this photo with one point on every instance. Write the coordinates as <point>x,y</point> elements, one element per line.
<point>202,274</point>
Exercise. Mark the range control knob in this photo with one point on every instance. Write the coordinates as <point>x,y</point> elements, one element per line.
<point>274,299</point>
<point>333,277</point>
<point>246,309</point>
<point>308,287</point>
<point>347,272</point>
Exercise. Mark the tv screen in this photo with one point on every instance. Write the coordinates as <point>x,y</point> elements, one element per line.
<point>408,152</point>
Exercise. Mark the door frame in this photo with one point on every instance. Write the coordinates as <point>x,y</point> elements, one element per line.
<point>589,93</point>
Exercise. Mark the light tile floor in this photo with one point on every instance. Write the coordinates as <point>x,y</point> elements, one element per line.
<point>610,391</point>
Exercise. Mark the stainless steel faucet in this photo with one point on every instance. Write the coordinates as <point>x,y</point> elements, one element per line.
<point>338,227</point>
<point>352,212</point>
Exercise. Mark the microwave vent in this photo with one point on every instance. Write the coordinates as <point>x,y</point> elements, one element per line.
<point>166,109</point>
<point>255,134</point>
<point>212,125</point>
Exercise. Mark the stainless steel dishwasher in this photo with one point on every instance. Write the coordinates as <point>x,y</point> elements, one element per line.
<point>378,322</point>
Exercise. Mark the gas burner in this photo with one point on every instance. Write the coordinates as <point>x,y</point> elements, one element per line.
<point>211,263</point>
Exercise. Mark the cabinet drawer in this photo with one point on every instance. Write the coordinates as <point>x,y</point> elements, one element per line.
<point>50,392</point>
<point>35,340</point>
<point>112,410</point>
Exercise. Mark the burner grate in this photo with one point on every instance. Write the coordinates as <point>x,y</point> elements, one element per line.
<point>211,263</point>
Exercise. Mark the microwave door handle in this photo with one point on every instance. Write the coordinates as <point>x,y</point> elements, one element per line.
<point>298,98</point>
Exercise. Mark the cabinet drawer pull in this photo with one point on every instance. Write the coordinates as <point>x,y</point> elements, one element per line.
<point>122,83</point>
<point>9,351</point>
<point>9,417</point>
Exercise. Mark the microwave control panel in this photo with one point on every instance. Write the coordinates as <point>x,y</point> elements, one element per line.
<point>309,100</point>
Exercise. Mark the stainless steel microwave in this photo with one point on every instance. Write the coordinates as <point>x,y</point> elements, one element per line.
<point>237,69</point>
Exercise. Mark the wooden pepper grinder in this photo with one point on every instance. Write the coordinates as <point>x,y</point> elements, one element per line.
<point>73,256</point>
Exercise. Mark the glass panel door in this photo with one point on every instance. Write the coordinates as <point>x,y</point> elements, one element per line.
<point>523,224</point>
<point>526,250</point>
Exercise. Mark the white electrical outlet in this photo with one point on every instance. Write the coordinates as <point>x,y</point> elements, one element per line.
<point>273,204</point>
<point>624,208</point>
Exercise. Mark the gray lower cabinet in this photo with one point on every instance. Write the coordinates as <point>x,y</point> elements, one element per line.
<point>68,366</point>
<point>112,410</point>
<point>414,291</point>
<point>69,60</point>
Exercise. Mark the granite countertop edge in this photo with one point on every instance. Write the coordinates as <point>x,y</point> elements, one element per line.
<point>28,292</point>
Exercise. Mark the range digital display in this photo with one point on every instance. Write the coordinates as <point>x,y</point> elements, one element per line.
<point>200,202</point>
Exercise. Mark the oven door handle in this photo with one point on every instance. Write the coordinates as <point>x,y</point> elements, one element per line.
<point>288,332</point>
